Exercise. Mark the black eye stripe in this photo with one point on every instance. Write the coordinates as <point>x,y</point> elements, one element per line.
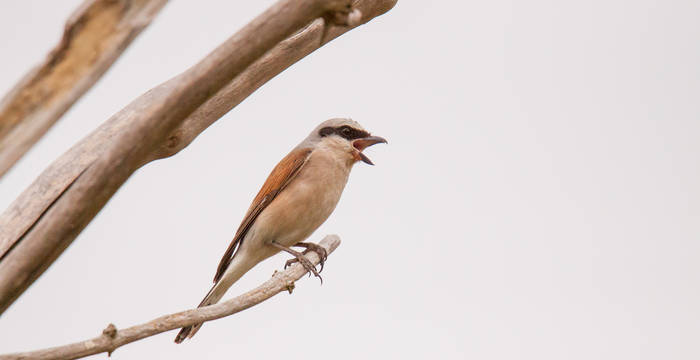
<point>326,131</point>
<point>344,131</point>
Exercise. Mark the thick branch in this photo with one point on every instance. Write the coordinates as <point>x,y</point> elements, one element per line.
<point>46,218</point>
<point>288,52</point>
<point>94,37</point>
<point>112,338</point>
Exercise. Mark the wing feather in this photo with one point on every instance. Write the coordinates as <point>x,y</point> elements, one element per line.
<point>278,179</point>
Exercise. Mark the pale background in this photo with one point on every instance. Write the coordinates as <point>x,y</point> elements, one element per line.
<point>539,197</point>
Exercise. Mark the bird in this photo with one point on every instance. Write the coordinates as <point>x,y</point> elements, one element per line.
<point>298,196</point>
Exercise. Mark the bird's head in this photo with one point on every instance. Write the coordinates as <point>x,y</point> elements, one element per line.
<point>345,136</point>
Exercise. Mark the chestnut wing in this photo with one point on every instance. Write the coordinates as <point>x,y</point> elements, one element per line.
<point>278,179</point>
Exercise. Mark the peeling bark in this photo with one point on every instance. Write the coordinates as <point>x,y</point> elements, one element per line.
<point>94,37</point>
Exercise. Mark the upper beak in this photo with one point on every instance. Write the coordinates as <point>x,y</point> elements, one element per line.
<point>361,144</point>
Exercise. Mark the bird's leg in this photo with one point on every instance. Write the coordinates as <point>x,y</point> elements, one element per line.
<point>302,260</point>
<point>320,250</point>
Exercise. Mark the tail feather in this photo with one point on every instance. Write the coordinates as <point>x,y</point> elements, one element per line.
<point>212,297</point>
<point>235,271</point>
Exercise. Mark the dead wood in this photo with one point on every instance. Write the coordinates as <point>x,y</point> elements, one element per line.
<point>94,37</point>
<point>47,216</point>
<point>112,337</point>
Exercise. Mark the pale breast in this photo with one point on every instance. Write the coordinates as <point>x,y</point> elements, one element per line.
<point>307,201</point>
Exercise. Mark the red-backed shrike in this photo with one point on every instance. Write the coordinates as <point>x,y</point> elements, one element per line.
<point>297,197</point>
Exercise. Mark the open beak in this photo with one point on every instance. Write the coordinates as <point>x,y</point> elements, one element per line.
<point>363,143</point>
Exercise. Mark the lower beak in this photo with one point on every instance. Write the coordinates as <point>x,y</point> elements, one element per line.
<point>363,143</point>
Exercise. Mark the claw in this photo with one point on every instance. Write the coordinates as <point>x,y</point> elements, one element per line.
<point>309,267</point>
<point>299,257</point>
<point>320,250</point>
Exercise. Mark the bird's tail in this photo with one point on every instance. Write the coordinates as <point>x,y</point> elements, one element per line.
<point>213,296</point>
<point>235,272</point>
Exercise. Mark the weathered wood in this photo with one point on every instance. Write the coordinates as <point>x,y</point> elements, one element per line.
<point>46,218</point>
<point>288,52</point>
<point>112,338</point>
<point>94,37</point>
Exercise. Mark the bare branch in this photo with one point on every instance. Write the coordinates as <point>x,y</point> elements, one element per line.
<point>288,52</point>
<point>94,37</point>
<point>112,338</point>
<point>46,218</point>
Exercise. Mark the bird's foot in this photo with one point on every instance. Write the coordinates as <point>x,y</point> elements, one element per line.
<point>299,257</point>
<point>308,265</point>
<point>320,250</point>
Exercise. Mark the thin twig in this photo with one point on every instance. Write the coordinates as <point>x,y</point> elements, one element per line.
<point>94,37</point>
<point>112,337</point>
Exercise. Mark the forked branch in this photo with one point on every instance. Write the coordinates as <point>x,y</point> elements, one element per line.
<point>112,338</point>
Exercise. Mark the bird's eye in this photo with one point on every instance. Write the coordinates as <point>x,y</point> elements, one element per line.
<point>346,132</point>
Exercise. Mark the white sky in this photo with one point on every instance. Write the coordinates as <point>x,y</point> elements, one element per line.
<point>538,198</point>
